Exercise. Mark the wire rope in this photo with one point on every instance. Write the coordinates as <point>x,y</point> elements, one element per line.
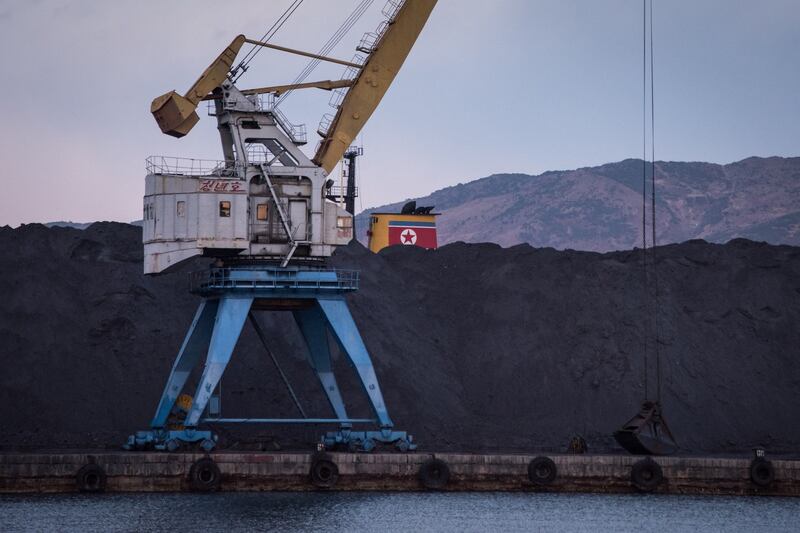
<point>652,306</point>
<point>644,193</point>
<point>334,40</point>
<point>653,209</point>
<point>269,34</point>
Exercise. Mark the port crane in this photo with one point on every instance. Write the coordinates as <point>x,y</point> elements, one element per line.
<point>263,213</point>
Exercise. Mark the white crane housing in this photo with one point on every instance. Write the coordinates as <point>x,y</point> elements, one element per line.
<point>265,199</point>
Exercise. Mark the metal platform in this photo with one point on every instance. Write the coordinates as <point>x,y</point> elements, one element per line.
<point>266,281</point>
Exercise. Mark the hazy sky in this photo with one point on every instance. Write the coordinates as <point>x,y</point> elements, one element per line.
<point>491,86</point>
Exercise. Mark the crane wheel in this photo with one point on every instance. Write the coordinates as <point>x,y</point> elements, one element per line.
<point>204,476</point>
<point>434,474</point>
<point>646,475</point>
<point>762,472</point>
<point>542,471</point>
<point>91,478</point>
<point>324,472</point>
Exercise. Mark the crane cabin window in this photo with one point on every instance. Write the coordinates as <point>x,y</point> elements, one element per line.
<point>224,208</point>
<point>180,208</point>
<point>262,211</point>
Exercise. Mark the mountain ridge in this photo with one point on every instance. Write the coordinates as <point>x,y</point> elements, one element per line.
<point>600,208</point>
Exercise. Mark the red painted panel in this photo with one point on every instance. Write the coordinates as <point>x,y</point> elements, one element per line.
<point>413,236</point>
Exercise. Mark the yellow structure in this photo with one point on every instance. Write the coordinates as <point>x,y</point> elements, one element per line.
<point>176,114</point>
<point>388,229</point>
<point>384,61</point>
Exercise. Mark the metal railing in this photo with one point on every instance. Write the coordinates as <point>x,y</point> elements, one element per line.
<point>391,8</point>
<point>339,191</point>
<point>370,39</point>
<point>296,132</point>
<point>325,124</point>
<point>265,102</point>
<point>336,97</point>
<point>257,153</point>
<point>267,278</point>
<point>350,73</point>
<point>185,166</point>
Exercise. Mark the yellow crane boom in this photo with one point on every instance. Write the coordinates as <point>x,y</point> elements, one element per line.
<point>176,114</point>
<point>373,81</point>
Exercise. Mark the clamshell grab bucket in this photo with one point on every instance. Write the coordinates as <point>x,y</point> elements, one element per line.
<point>647,433</point>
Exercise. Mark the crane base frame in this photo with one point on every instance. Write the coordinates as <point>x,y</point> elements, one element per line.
<point>316,299</point>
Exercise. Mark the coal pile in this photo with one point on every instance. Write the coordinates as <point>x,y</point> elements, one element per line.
<point>477,347</point>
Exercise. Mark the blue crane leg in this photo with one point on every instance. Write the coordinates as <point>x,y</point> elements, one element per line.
<point>346,332</point>
<point>194,345</point>
<point>315,332</point>
<point>231,314</point>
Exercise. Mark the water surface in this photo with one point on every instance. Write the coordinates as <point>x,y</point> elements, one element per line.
<point>375,511</point>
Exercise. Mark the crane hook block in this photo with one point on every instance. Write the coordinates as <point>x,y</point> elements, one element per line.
<point>175,114</point>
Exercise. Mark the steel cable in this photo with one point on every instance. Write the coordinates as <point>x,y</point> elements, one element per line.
<point>270,33</point>
<point>644,192</point>
<point>652,301</point>
<point>334,40</point>
<point>653,209</point>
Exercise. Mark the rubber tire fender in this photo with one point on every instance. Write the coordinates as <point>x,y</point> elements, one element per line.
<point>434,474</point>
<point>542,471</point>
<point>324,472</point>
<point>762,473</point>
<point>91,478</point>
<point>204,475</point>
<point>646,475</point>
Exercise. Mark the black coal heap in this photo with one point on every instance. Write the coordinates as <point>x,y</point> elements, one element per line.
<point>477,347</point>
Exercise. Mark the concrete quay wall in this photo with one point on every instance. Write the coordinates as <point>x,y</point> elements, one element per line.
<point>154,472</point>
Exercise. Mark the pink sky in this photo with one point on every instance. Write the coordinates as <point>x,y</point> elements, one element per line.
<point>505,86</point>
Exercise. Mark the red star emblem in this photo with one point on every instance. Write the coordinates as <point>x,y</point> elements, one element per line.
<point>409,236</point>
